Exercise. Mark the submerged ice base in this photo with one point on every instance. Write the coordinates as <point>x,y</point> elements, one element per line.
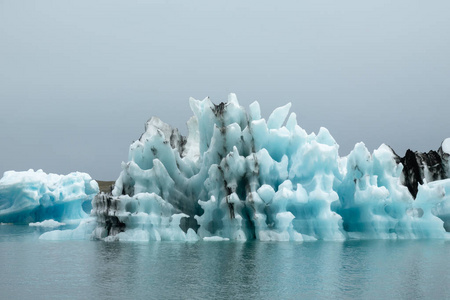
<point>238,177</point>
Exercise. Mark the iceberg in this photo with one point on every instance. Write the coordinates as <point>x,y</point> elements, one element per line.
<point>40,199</point>
<point>237,176</point>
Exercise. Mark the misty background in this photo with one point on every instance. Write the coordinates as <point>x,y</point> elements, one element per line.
<point>79,79</point>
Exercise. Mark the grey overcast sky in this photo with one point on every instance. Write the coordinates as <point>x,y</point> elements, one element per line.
<point>78,79</point>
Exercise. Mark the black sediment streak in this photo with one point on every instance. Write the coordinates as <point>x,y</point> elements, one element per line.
<point>105,208</point>
<point>219,109</point>
<point>411,172</point>
<point>417,165</point>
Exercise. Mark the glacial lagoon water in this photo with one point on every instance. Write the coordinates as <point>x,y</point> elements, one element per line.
<point>377,269</point>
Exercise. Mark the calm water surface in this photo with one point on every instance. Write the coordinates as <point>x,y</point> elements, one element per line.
<point>34,269</point>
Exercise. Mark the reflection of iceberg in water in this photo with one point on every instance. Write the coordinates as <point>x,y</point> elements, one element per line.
<point>239,177</point>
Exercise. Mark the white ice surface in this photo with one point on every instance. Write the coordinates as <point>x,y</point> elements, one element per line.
<point>446,145</point>
<point>47,223</point>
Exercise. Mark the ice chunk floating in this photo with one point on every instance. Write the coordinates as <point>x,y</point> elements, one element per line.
<point>237,176</point>
<point>34,197</point>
